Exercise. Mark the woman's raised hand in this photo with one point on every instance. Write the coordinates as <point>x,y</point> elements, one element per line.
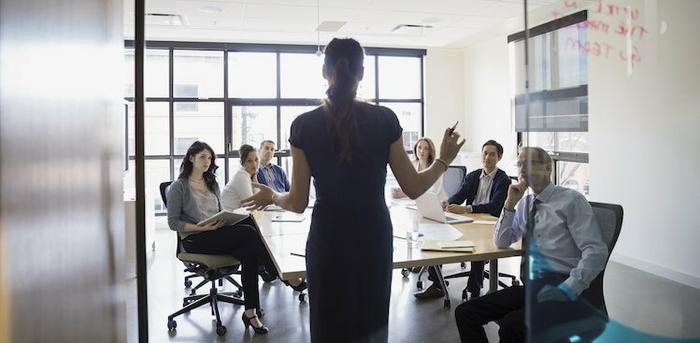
<point>260,199</point>
<point>450,146</point>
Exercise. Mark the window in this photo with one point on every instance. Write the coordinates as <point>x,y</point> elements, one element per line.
<point>205,69</point>
<point>553,113</point>
<point>252,125</point>
<point>301,76</point>
<point>228,94</point>
<point>252,75</point>
<point>156,124</point>
<point>409,115</point>
<point>205,124</point>
<point>400,77</point>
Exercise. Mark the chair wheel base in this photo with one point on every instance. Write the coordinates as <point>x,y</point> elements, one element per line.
<point>172,324</point>
<point>404,272</point>
<point>220,330</point>
<point>188,283</point>
<point>302,297</point>
<point>419,284</point>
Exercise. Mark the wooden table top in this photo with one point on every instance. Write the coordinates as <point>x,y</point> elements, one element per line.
<point>283,239</point>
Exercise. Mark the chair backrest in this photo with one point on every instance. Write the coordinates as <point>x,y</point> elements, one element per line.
<point>609,218</point>
<point>163,189</point>
<point>453,178</point>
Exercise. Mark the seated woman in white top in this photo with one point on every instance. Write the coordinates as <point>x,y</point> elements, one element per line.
<point>240,185</point>
<point>424,152</point>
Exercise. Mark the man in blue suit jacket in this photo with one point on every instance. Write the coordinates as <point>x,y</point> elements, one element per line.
<point>483,191</point>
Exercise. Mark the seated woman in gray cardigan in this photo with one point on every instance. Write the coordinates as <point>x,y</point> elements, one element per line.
<point>194,196</point>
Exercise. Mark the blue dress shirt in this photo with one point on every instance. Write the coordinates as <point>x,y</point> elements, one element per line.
<point>565,233</point>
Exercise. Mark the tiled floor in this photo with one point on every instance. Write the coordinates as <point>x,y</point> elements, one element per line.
<point>636,300</point>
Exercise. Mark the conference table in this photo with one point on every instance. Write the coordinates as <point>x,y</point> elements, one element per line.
<point>286,242</point>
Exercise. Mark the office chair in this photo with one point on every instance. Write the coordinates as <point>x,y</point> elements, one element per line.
<point>188,282</point>
<point>609,217</point>
<point>452,179</point>
<point>452,182</point>
<point>210,267</point>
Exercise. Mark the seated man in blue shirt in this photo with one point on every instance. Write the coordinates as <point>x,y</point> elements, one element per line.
<point>567,250</point>
<point>271,174</point>
<point>483,191</point>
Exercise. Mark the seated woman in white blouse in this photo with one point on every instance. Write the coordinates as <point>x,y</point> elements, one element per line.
<point>240,185</point>
<point>424,152</point>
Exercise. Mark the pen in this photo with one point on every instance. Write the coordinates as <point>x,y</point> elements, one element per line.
<point>296,254</point>
<point>452,129</point>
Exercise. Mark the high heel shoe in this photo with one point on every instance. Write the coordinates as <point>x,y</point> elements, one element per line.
<point>246,321</point>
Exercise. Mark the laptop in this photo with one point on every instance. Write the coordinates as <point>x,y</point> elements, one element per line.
<point>429,207</point>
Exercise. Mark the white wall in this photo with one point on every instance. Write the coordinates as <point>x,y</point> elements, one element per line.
<point>444,92</point>
<point>644,126</point>
<point>487,101</point>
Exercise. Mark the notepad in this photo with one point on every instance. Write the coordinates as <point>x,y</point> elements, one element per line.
<point>230,218</point>
<point>440,246</point>
<point>288,217</point>
<point>456,244</point>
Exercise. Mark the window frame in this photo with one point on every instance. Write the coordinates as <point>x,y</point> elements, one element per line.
<point>553,94</point>
<point>278,102</point>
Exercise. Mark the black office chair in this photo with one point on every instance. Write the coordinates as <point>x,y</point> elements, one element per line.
<point>609,217</point>
<point>210,267</point>
<point>452,179</point>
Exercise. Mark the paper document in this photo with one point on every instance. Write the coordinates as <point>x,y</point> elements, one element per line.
<point>439,232</point>
<point>230,218</point>
<point>437,246</point>
<point>485,222</point>
<point>456,244</point>
<point>288,217</point>
<point>274,208</point>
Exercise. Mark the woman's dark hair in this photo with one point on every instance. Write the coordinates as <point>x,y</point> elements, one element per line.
<point>244,150</point>
<point>186,165</point>
<point>343,65</point>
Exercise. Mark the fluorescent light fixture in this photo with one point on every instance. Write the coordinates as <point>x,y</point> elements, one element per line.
<point>165,19</point>
<point>211,9</point>
<point>410,29</point>
<point>330,26</point>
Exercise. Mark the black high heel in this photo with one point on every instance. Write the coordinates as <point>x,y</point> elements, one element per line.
<point>246,321</point>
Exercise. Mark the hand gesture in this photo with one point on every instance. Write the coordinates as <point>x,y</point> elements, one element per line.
<point>260,199</point>
<point>515,193</point>
<point>449,146</point>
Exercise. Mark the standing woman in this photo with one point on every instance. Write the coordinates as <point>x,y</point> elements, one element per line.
<point>194,196</point>
<point>424,152</point>
<point>345,145</point>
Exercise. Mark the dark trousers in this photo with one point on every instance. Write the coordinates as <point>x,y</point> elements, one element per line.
<point>507,307</point>
<point>242,242</point>
<point>474,281</point>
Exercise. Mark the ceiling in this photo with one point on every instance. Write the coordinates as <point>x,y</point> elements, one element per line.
<point>295,21</point>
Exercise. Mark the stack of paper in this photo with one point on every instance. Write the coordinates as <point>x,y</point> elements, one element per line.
<point>450,246</point>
